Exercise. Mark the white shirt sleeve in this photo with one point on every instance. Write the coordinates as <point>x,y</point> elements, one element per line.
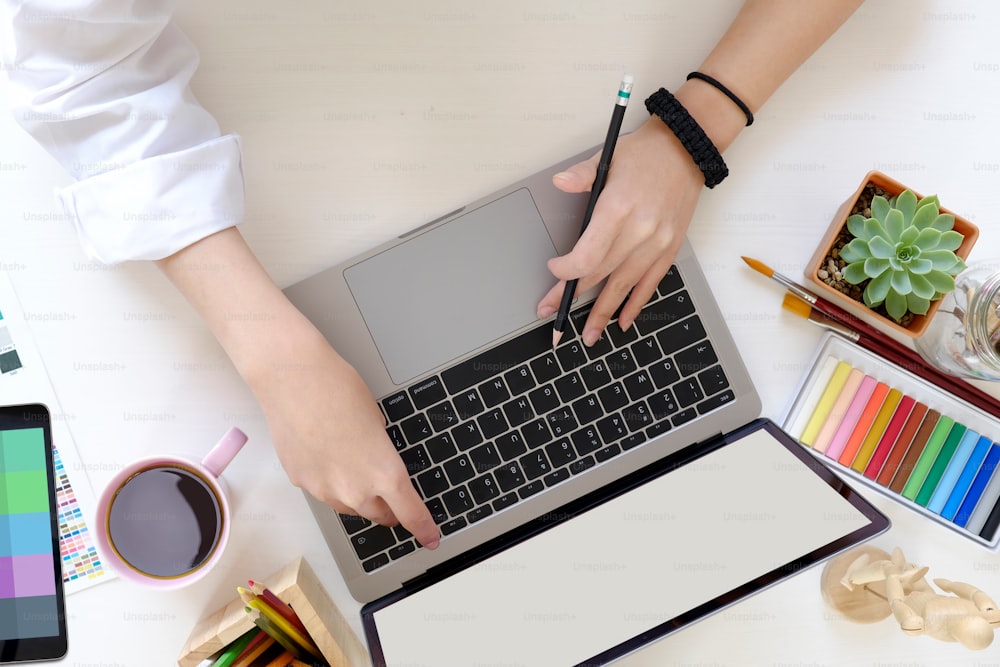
<point>103,85</point>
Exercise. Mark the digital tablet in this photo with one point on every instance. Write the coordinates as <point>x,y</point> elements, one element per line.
<point>659,550</point>
<point>32,614</point>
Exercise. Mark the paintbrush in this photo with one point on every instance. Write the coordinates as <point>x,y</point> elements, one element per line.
<point>893,352</point>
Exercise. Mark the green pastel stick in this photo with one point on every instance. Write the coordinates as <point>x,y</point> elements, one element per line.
<point>940,464</point>
<point>927,457</point>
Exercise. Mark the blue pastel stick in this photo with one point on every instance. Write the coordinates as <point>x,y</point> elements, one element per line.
<point>965,479</point>
<point>955,467</point>
<point>978,486</point>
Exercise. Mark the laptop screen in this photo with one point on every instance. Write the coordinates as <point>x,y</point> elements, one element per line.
<point>721,527</point>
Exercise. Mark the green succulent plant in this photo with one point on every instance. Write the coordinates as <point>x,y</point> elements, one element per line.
<point>905,251</point>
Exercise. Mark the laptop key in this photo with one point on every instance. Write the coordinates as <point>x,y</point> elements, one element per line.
<point>613,397</point>
<point>621,362</point>
<point>458,501</point>
<point>595,375</point>
<point>518,411</point>
<point>556,476</point>
<point>696,358</point>
<point>373,540</point>
<point>680,335</point>
<point>437,510</point>
<point>441,448</point>
<point>646,351</point>
<point>452,526</point>
<point>494,392</point>
<point>401,550</point>
<point>459,470</point>
<point>544,399</point>
<point>396,438</point>
<point>639,385</point>
<point>662,404</point>
<point>416,428</point>
<point>519,380</point>
<point>664,312</point>
<point>713,380</point>
<point>586,440</point>
<point>507,499</point>
<point>715,401</point>
<point>576,467</point>
<point>684,416</point>
<point>492,423</point>
<point>634,440</point>
<point>600,347</point>
<point>467,435</point>
<point>606,453</point>
<point>415,459</point>
<point>375,563</point>
<point>432,482</point>
<point>560,452</point>
<point>570,387</point>
<point>536,433</point>
<point>562,422</point>
<point>688,392</point>
<point>442,416</point>
<point>535,464</point>
<point>671,282</point>
<point>485,457</point>
<point>510,445</point>
<point>618,337</point>
<point>546,367</point>
<point>479,513</point>
<point>612,428</point>
<point>397,406</point>
<point>530,489</point>
<point>484,489</point>
<point>509,476</point>
<point>571,355</point>
<point>468,404</point>
<point>353,523</point>
<point>427,392</point>
<point>587,409</point>
<point>637,416</point>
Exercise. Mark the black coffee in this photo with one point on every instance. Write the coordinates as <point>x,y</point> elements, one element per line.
<point>165,521</point>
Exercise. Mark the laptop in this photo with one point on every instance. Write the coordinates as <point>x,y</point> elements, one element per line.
<point>506,438</point>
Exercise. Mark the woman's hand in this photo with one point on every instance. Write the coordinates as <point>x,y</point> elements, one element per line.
<point>637,227</point>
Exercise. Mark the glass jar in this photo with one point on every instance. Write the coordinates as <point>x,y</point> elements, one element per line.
<point>963,336</point>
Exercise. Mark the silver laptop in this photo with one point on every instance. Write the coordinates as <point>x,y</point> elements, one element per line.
<point>496,428</point>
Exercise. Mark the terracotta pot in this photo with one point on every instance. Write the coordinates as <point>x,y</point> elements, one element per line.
<point>891,187</point>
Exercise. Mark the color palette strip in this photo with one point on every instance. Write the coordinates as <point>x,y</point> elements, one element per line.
<point>80,559</point>
<point>879,426</point>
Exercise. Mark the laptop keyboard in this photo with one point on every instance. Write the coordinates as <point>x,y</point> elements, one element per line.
<point>500,427</point>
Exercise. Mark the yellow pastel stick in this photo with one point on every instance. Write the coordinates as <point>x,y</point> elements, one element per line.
<point>839,409</point>
<point>825,404</point>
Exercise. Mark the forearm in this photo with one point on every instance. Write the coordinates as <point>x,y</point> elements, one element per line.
<point>248,314</point>
<point>763,46</point>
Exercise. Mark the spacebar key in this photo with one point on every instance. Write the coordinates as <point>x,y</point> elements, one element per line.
<point>502,358</point>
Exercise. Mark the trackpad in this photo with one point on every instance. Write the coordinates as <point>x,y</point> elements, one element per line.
<point>456,287</point>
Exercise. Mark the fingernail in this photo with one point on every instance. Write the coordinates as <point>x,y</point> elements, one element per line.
<point>433,544</point>
<point>545,311</point>
<point>590,336</point>
<point>563,174</point>
<point>624,324</point>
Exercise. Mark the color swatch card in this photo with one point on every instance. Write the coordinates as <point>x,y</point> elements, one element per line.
<point>23,379</point>
<point>910,440</point>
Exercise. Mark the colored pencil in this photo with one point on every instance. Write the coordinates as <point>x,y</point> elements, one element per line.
<point>277,604</point>
<point>603,166</point>
<point>883,345</point>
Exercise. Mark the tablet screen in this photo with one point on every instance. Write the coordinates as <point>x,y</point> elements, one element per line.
<point>31,604</point>
<point>634,568</point>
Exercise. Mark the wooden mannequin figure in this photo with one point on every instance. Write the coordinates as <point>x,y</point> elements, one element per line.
<point>867,585</point>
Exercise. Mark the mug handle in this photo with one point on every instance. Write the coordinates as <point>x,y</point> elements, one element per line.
<point>224,451</point>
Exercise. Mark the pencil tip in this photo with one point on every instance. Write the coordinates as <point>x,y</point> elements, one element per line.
<point>758,266</point>
<point>556,337</point>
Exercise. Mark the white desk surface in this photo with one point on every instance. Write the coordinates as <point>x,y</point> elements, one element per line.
<point>361,120</point>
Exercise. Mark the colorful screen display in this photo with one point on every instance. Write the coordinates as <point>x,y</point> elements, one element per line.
<point>29,605</point>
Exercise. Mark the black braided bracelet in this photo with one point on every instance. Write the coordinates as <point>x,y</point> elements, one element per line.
<point>725,91</point>
<point>692,137</point>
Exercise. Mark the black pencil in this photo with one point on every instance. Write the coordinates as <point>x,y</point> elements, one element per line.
<point>624,91</point>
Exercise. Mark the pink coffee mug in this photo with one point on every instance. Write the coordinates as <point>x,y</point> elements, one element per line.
<point>163,521</point>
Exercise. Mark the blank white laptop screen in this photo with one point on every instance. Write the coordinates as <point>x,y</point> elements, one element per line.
<point>652,554</point>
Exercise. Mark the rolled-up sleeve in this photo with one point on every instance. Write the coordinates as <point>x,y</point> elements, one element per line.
<point>104,86</point>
